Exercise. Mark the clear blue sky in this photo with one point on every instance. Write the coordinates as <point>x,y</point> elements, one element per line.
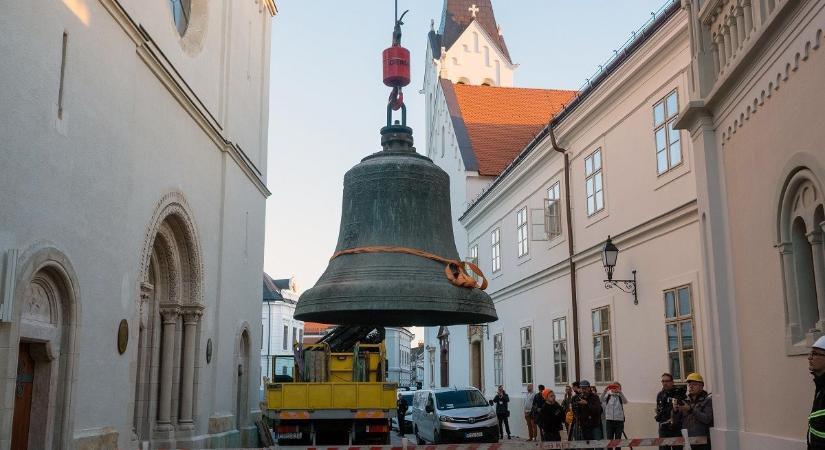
<point>327,101</point>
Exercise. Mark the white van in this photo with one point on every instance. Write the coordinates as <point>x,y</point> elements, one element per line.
<point>453,415</point>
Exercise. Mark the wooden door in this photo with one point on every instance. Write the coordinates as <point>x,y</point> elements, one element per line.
<point>22,399</point>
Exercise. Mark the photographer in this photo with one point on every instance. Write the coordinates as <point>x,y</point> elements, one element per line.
<point>502,412</point>
<point>664,410</point>
<point>587,412</point>
<point>696,413</point>
<point>613,400</point>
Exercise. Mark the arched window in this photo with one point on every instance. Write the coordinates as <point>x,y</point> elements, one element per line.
<point>487,56</point>
<point>475,41</point>
<point>801,222</point>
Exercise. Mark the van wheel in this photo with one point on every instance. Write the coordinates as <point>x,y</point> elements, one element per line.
<point>418,439</point>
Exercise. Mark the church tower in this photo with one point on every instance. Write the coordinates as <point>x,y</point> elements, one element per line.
<point>468,47</point>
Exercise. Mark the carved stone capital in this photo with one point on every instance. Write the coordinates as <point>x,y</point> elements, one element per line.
<point>785,248</point>
<point>814,237</point>
<point>191,313</point>
<point>169,313</point>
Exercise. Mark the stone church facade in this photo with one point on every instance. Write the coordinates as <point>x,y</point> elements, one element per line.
<point>132,200</point>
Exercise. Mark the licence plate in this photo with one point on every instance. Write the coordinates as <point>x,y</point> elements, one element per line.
<point>476,434</point>
<point>289,436</point>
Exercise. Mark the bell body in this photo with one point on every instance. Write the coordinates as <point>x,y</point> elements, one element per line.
<point>395,197</point>
<point>396,66</point>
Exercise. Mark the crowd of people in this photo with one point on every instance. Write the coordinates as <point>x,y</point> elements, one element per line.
<point>586,414</point>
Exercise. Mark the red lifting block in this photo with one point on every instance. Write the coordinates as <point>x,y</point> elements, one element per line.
<point>396,66</point>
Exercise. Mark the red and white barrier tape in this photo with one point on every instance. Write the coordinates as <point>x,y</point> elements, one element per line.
<point>605,443</point>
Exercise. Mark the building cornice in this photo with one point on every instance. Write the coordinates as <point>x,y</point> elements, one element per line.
<point>668,222</point>
<point>155,60</point>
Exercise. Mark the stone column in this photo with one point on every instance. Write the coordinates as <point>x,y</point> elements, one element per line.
<point>720,43</point>
<point>788,268</point>
<point>748,13</point>
<point>169,315</point>
<point>815,238</point>
<point>740,25</point>
<point>191,317</point>
<point>734,34</point>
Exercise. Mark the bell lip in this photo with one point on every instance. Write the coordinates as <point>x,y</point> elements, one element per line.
<point>397,318</point>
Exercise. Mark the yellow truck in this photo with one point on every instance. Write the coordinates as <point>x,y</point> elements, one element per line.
<point>332,396</point>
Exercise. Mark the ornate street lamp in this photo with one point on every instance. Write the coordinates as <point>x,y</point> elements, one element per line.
<point>610,253</point>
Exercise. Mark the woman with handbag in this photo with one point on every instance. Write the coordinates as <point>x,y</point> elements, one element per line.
<point>502,412</point>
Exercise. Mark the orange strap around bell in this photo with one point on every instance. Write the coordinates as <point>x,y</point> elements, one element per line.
<point>455,269</point>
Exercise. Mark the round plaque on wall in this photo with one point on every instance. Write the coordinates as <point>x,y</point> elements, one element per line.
<point>122,336</point>
<point>208,350</point>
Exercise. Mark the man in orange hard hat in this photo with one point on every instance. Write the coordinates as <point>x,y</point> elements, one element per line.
<point>695,413</point>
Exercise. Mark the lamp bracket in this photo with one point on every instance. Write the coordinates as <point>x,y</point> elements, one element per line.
<point>627,286</point>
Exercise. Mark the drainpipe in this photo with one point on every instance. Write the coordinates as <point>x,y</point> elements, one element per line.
<point>573,299</point>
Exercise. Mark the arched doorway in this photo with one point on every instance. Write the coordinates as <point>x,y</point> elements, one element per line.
<point>169,309</point>
<point>46,311</point>
<point>242,381</point>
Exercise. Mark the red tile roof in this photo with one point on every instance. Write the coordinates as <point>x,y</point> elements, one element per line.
<point>501,121</point>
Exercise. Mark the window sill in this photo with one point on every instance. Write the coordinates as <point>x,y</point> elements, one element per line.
<point>597,217</point>
<point>555,241</point>
<point>803,347</point>
<point>671,175</point>
<point>523,259</point>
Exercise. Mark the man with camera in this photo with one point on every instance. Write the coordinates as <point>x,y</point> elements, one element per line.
<point>695,414</point>
<point>587,413</point>
<point>664,409</point>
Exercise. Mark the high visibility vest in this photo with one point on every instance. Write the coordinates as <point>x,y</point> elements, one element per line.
<point>814,432</point>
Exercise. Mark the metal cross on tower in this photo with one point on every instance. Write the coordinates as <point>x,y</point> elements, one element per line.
<point>473,9</point>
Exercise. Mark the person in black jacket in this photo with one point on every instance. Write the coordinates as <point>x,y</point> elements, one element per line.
<point>816,421</point>
<point>502,412</point>
<point>401,407</point>
<point>664,411</point>
<point>587,412</point>
<point>538,402</point>
<point>551,417</point>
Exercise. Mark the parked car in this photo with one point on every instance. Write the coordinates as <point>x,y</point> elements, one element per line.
<point>408,423</point>
<point>453,415</point>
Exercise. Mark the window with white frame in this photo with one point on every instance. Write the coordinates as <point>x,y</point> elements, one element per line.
<point>495,244</point>
<point>668,142</point>
<point>602,355</point>
<point>474,259</point>
<point>526,355</point>
<point>286,336</point>
<point>521,231</point>
<point>593,182</point>
<point>679,329</point>
<point>560,349</point>
<point>553,211</point>
<point>498,359</point>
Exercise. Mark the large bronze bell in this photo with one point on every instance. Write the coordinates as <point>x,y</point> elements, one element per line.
<point>395,197</point>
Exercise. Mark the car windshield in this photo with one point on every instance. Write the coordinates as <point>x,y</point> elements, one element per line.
<point>459,399</point>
